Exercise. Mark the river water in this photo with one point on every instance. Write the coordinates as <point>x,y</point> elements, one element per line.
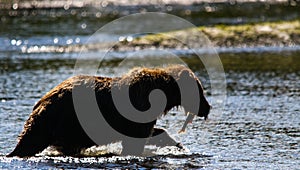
<point>259,127</point>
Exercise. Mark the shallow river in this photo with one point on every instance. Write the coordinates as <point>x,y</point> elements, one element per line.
<point>258,128</point>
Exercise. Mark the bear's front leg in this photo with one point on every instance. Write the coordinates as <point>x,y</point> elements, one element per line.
<point>161,138</point>
<point>133,146</point>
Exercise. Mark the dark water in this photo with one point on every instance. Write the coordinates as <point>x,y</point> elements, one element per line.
<point>259,127</point>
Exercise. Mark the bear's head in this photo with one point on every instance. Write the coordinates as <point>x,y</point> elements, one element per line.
<point>191,91</point>
<point>180,85</point>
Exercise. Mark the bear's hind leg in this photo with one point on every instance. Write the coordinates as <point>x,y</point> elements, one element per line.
<point>29,145</point>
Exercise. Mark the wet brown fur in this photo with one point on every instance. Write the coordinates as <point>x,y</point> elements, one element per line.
<point>53,120</point>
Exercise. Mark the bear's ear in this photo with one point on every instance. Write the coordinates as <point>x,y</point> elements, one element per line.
<point>184,74</point>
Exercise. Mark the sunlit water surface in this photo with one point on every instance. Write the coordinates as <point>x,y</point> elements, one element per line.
<point>259,127</point>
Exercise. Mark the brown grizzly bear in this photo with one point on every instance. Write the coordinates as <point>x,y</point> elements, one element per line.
<point>54,121</point>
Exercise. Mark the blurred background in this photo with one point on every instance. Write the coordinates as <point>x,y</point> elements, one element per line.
<point>258,44</point>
